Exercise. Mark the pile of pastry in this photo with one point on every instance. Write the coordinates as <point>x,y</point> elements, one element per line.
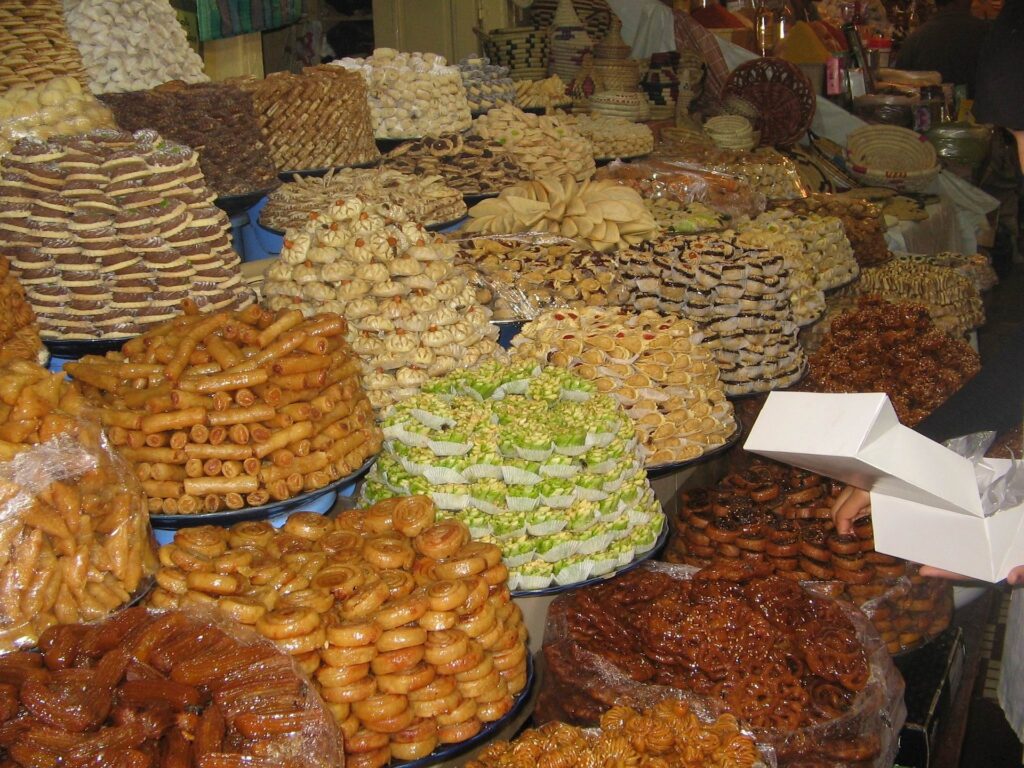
<point>520,277</point>
<point>426,199</point>
<point>132,44</point>
<point>412,314</point>
<point>57,107</point>
<point>218,119</point>
<point>406,625</point>
<point>412,94</point>
<point>656,366</point>
<point>19,334</point>
<point>487,85</point>
<point>612,136</point>
<point>542,144</point>
<point>600,214</point>
<point>36,44</point>
<point>738,295</point>
<point>110,232</point>
<point>533,460</point>
<point>317,119</point>
<point>470,164</point>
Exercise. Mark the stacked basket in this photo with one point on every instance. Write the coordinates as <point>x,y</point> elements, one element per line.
<point>888,156</point>
<point>618,79</point>
<point>660,83</point>
<point>569,42</point>
<point>524,50</point>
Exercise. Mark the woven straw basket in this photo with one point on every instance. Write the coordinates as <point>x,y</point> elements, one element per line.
<point>889,156</point>
<point>524,50</point>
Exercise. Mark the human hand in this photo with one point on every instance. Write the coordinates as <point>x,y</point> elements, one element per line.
<point>1014,579</point>
<point>851,504</point>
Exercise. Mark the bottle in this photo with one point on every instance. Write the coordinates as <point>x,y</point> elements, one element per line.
<point>764,29</point>
<point>783,22</point>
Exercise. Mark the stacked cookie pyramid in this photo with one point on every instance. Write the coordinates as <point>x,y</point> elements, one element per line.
<point>110,232</point>
<point>738,295</point>
<point>412,313</point>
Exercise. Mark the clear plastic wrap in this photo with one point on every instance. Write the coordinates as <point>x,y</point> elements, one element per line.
<point>57,107</point>
<point>579,684</point>
<point>75,540</point>
<point>686,183</point>
<point>180,683</point>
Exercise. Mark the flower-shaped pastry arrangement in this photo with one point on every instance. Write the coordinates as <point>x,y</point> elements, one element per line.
<point>412,313</point>
<point>534,460</point>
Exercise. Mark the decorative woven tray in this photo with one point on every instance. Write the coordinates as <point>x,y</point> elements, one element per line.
<point>782,94</point>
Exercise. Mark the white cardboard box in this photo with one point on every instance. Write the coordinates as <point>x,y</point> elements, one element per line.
<point>925,501</point>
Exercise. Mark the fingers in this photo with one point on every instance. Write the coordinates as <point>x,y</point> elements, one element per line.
<point>851,504</point>
<point>939,573</point>
<point>1016,576</point>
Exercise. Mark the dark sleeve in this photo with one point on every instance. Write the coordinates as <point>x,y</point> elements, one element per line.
<point>992,400</point>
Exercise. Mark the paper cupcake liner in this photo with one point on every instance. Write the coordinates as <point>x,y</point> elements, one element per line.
<point>517,476</point>
<point>591,494</point>
<point>603,566</point>
<point>513,579</point>
<point>625,557</point>
<point>639,516</point>
<point>599,439</point>
<point>602,467</point>
<point>533,454</point>
<point>515,387</point>
<point>455,502</point>
<point>517,533</point>
<point>575,395</point>
<point>546,528</point>
<point>575,573</point>
<point>522,558</point>
<point>611,517</point>
<point>571,450</point>
<point>582,523</point>
<point>444,476</point>
<point>527,583</point>
<point>560,551</point>
<point>432,420</point>
<point>595,544</point>
<point>449,448</point>
<point>482,472</point>
<point>560,501</point>
<point>406,437</point>
<point>564,471</point>
<point>522,503</point>
<point>613,485</point>
<point>480,531</point>
<point>485,506</point>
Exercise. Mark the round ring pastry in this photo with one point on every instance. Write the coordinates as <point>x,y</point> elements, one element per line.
<point>407,681</point>
<point>353,633</point>
<point>400,583</point>
<point>480,670</point>
<point>473,656</point>
<point>385,552</point>
<point>408,609</point>
<point>397,661</point>
<point>473,688</point>
<point>478,594</point>
<point>489,552</point>
<point>413,515</point>
<point>401,637</point>
<point>447,595</point>
<point>337,677</point>
<point>446,646</point>
<point>414,742</point>
<point>295,646</point>
<point>366,600</point>
<point>380,706</point>
<point>457,568</point>
<point>442,539</point>
<point>308,525</point>
<point>436,621</point>
<point>257,533</point>
<point>365,741</point>
<point>340,580</point>
<point>337,542</point>
<point>490,711</point>
<point>286,623</point>
<point>434,707</point>
<point>243,609</point>
<point>343,657</point>
<point>346,694</point>
<point>453,734</point>
<point>206,540</point>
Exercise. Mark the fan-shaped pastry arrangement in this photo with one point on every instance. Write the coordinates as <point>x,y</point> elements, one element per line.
<point>781,94</point>
<point>110,232</point>
<point>656,366</point>
<point>128,45</point>
<point>425,199</point>
<point>533,460</point>
<point>412,94</point>
<point>737,295</point>
<point>603,215</point>
<point>412,314</point>
<point>542,144</point>
<point>470,164</point>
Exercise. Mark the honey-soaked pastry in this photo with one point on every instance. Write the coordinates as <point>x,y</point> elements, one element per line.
<point>393,615</point>
<point>800,672</point>
<point>183,684</point>
<point>19,333</point>
<point>656,366</point>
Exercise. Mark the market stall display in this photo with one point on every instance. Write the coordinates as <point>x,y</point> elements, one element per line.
<point>656,366</point>
<point>58,107</point>
<point>896,349</point>
<point>406,625</point>
<point>780,93</point>
<point>863,223</point>
<point>473,165</point>
<point>669,733</point>
<point>779,516</point>
<point>182,684</point>
<point>767,171</point>
<point>602,215</point>
<point>612,137</point>
<point>549,93</point>
<point>487,85</point>
<point>534,460</point>
<point>952,300</point>
<point>412,95</point>
<point>317,119</point>
<point>738,296</point>
<point>803,673</point>
<point>36,44</point>
<point>520,277</point>
<point>412,314</point>
<point>19,333</point>
<point>131,44</point>
<point>976,267</point>
<point>75,536</point>
<point>249,407</point>
<point>427,199</point>
<point>110,232</point>
<point>542,144</point>
<point>219,120</point>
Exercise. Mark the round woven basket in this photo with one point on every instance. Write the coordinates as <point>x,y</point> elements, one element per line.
<point>889,156</point>
<point>618,75</point>
<point>518,48</point>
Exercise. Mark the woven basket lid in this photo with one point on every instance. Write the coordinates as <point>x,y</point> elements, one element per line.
<point>565,15</point>
<point>613,46</point>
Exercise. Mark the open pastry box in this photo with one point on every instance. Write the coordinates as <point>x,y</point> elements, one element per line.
<point>928,504</point>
